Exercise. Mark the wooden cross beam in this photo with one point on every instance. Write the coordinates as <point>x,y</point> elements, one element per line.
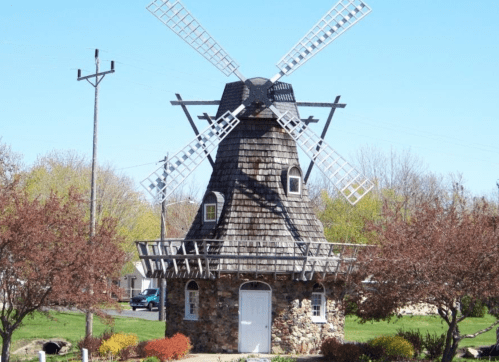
<point>333,106</point>
<point>193,125</point>
<point>308,120</point>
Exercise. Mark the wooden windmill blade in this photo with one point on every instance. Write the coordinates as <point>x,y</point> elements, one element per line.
<point>352,184</point>
<point>335,22</point>
<point>175,15</point>
<point>162,182</point>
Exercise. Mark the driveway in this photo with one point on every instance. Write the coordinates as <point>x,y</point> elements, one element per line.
<point>139,313</point>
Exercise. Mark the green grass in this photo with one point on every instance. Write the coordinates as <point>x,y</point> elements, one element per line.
<point>71,326</point>
<point>354,331</point>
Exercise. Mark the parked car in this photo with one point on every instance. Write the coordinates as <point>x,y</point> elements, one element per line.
<point>148,298</point>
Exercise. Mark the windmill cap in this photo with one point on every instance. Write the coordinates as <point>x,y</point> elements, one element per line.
<point>280,94</point>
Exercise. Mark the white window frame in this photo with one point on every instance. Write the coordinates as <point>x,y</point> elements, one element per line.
<point>321,318</point>
<point>299,185</point>
<point>205,218</point>
<point>297,177</point>
<point>189,296</point>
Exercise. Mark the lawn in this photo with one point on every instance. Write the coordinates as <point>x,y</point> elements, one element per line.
<point>354,331</point>
<point>71,326</point>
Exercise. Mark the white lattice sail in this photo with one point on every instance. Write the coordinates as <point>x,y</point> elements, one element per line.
<point>174,15</point>
<point>334,23</point>
<point>347,180</point>
<point>162,182</point>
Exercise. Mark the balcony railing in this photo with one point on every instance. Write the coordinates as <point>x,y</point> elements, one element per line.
<point>208,259</point>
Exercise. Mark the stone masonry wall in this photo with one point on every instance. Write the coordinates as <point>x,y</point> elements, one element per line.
<point>216,329</point>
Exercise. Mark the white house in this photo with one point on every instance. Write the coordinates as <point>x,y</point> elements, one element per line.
<point>136,282</point>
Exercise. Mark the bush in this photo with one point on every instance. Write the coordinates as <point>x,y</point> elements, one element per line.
<point>395,347</point>
<point>151,359</point>
<point>169,348</point>
<point>283,359</point>
<point>479,308</point>
<point>415,338</point>
<point>334,350</point>
<point>127,352</point>
<point>90,343</point>
<point>140,350</point>
<point>116,343</point>
<point>372,353</point>
<point>434,345</point>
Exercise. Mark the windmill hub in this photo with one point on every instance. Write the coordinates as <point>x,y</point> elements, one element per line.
<point>258,93</point>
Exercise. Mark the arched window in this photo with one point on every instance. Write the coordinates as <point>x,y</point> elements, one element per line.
<point>213,204</point>
<point>294,181</point>
<point>191,300</point>
<point>210,212</point>
<point>318,304</point>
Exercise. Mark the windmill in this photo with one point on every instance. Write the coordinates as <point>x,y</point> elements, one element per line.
<point>263,93</point>
<point>255,237</point>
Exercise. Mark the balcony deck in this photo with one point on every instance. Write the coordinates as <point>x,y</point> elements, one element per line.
<point>208,259</point>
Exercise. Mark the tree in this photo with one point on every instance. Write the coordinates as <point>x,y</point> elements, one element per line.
<point>117,196</point>
<point>46,258</point>
<point>443,252</point>
<point>10,164</point>
<point>346,223</point>
<point>404,174</point>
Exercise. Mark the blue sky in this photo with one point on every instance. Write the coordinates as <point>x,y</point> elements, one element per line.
<point>420,75</point>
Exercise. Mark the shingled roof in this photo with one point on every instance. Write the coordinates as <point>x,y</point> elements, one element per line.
<point>251,173</point>
<point>280,93</point>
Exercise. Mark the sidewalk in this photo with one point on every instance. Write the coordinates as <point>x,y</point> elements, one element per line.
<point>216,357</point>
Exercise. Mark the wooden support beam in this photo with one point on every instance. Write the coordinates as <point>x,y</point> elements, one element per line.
<point>171,254</point>
<point>181,102</point>
<point>323,135</point>
<point>193,125</point>
<point>198,258</point>
<point>321,104</point>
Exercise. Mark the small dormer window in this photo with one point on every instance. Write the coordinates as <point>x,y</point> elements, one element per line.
<point>294,181</point>
<point>210,212</point>
<point>213,204</point>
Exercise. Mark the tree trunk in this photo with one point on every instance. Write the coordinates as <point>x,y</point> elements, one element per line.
<point>451,339</point>
<point>6,339</point>
<point>89,324</point>
<point>450,352</point>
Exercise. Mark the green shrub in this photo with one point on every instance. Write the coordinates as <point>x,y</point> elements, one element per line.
<point>151,359</point>
<point>395,347</point>
<point>479,308</point>
<point>415,338</point>
<point>434,345</point>
<point>283,359</point>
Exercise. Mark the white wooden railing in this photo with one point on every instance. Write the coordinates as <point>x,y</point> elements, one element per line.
<point>178,258</point>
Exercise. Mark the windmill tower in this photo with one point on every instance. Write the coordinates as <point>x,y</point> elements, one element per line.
<point>254,273</point>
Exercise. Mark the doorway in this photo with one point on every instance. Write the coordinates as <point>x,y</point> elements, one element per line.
<point>255,302</point>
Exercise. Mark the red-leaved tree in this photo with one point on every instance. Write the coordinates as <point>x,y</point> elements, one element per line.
<point>46,259</point>
<point>437,255</point>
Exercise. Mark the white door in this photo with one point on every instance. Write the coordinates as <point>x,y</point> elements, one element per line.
<point>254,321</point>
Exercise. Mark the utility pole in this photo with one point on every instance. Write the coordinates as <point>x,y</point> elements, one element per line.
<point>162,281</point>
<point>98,78</point>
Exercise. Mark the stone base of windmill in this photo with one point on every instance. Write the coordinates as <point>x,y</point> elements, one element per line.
<point>218,327</point>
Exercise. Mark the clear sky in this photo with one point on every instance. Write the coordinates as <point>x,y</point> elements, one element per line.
<point>420,75</point>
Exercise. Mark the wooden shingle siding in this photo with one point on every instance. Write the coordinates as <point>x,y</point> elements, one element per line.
<point>248,172</point>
